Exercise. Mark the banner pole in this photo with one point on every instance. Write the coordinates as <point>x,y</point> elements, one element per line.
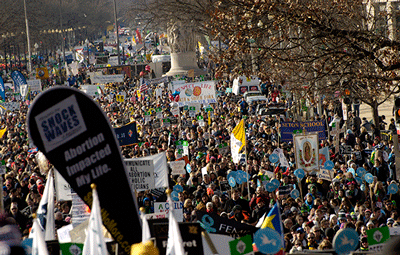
<point>245,151</point>
<point>209,242</point>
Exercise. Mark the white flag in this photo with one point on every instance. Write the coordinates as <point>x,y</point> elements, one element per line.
<point>39,246</point>
<point>94,242</point>
<point>45,211</point>
<point>175,243</point>
<point>145,229</point>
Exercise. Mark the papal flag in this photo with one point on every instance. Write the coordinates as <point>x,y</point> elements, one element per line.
<point>94,242</point>
<point>238,141</point>
<point>39,246</point>
<point>2,132</point>
<point>45,211</point>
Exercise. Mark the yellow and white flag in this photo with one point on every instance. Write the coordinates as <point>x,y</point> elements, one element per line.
<point>238,141</point>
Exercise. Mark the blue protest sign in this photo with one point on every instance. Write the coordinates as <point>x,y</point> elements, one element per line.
<point>174,196</point>
<point>329,165</point>
<point>239,177</point>
<point>178,188</point>
<point>188,168</point>
<point>345,241</point>
<point>369,178</point>
<point>273,158</point>
<point>393,188</point>
<point>358,180</point>
<point>18,80</point>
<point>232,174</point>
<point>268,241</point>
<point>351,170</point>
<point>295,193</point>
<point>275,182</point>
<point>232,182</point>
<point>361,171</point>
<point>299,173</point>
<point>269,187</point>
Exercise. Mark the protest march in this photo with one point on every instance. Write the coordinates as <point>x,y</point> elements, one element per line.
<point>186,164</point>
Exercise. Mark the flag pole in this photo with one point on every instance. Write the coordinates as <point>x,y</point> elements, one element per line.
<point>209,242</point>
<point>245,152</point>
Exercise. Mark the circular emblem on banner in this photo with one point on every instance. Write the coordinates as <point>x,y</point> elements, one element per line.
<point>41,73</point>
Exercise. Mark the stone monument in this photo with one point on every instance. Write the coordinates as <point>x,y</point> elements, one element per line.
<point>182,40</point>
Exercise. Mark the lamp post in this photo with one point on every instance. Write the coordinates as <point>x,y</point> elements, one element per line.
<point>28,40</point>
<point>116,30</point>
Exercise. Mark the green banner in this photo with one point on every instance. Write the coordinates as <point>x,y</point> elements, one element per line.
<point>378,235</point>
<point>71,248</point>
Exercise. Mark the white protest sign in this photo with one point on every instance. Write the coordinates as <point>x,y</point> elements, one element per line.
<point>324,174</point>
<point>161,215</point>
<point>282,158</point>
<point>198,92</point>
<point>63,234</point>
<point>140,174</point>
<point>204,171</point>
<point>10,106</point>
<point>35,85</point>
<point>178,167</point>
<point>63,189</point>
<point>160,169</point>
<point>163,207</point>
<point>104,79</point>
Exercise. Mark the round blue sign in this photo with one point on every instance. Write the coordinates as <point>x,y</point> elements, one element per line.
<point>188,168</point>
<point>369,178</point>
<point>268,241</point>
<point>231,174</point>
<point>299,173</point>
<point>273,158</point>
<point>174,196</point>
<point>178,188</point>
<point>269,187</point>
<point>358,180</point>
<point>345,241</point>
<point>393,188</point>
<point>275,182</point>
<point>361,171</point>
<point>295,193</point>
<point>351,170</point>
<point>232,182</point>
<point>329,165</point>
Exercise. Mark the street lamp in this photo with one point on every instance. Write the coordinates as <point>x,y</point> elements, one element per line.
<point>28,40</point>
<point>116,30</point>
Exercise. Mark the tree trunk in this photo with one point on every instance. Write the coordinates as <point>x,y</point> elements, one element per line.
<point>375,114</point>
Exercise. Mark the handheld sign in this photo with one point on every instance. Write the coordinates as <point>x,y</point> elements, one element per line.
<point>329,165</point>
<point>345,241</point>
<point>393,188</point>
<point>77,138</point>
<point>273,158</point>
<point>369,178</point>
<point>268,241</point>
<point>299,173</point>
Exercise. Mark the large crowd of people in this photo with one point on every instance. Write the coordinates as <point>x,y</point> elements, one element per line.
<point>309,221</point>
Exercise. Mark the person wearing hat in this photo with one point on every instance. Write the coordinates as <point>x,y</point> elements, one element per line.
<point>259,210</point>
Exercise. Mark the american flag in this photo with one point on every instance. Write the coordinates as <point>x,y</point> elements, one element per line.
<point>143,88</point>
